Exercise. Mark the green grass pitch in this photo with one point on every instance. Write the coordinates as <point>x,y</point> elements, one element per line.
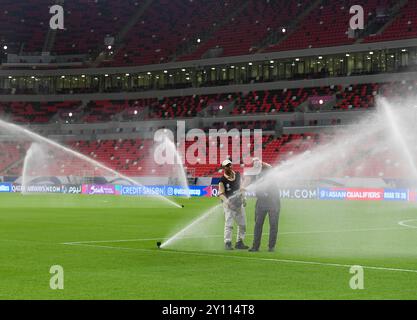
<point>318,242</point>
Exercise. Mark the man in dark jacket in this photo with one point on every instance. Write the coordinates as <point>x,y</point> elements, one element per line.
<point>268,203</point>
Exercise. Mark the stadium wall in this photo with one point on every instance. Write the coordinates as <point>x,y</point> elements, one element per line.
<point>346,194</point>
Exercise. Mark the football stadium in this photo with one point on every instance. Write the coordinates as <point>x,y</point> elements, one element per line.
<point>208,150</point>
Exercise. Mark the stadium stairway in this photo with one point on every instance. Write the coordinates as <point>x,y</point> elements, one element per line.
<point>15,165</point>
<point>276,37</point>
<point>119,39</point>
<point>394,12</point>
<point>403,26</point>
<point>248,28</point>
<point>155,31</point>
<point>154,40</point>
<point>89,23</point>
<point>11,156</point>
<point>325,26</point>
<point>189,48</point>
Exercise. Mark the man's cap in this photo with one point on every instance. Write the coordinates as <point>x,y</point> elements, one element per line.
<point>226,162</point>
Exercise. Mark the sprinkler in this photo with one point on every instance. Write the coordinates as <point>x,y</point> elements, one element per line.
<point>182,206</point>
<point>158,244</point>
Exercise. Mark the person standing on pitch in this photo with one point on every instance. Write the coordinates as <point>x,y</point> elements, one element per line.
<point>233,204</point>
<point>268,202</point>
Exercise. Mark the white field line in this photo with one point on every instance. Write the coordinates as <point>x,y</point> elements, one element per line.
<point>404,223</point>
<point>221,236</point>
<point>338,265</point>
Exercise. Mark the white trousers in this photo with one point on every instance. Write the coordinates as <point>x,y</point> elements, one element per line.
<point>231,216</point>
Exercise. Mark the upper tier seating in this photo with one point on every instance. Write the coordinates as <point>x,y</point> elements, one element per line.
<point>242,34</point>
<point>327,25</point>
<point>167,24</point>
<point>24,22</point>
<point>403,27</point>
<point>88,22</point>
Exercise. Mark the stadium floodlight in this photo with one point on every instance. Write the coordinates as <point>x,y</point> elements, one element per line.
<point>135,112</point>
<point>109,47</point>
<point>5,47</point>
<point>70,114</point>
<point>198,40</point>
<point>283,30</point>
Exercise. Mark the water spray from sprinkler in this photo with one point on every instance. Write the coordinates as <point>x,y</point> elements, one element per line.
<point>328,158</point>
<point>36,137</point>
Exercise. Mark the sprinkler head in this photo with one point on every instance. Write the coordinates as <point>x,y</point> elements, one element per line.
<point>159,244</point>
<point>182,206</point>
